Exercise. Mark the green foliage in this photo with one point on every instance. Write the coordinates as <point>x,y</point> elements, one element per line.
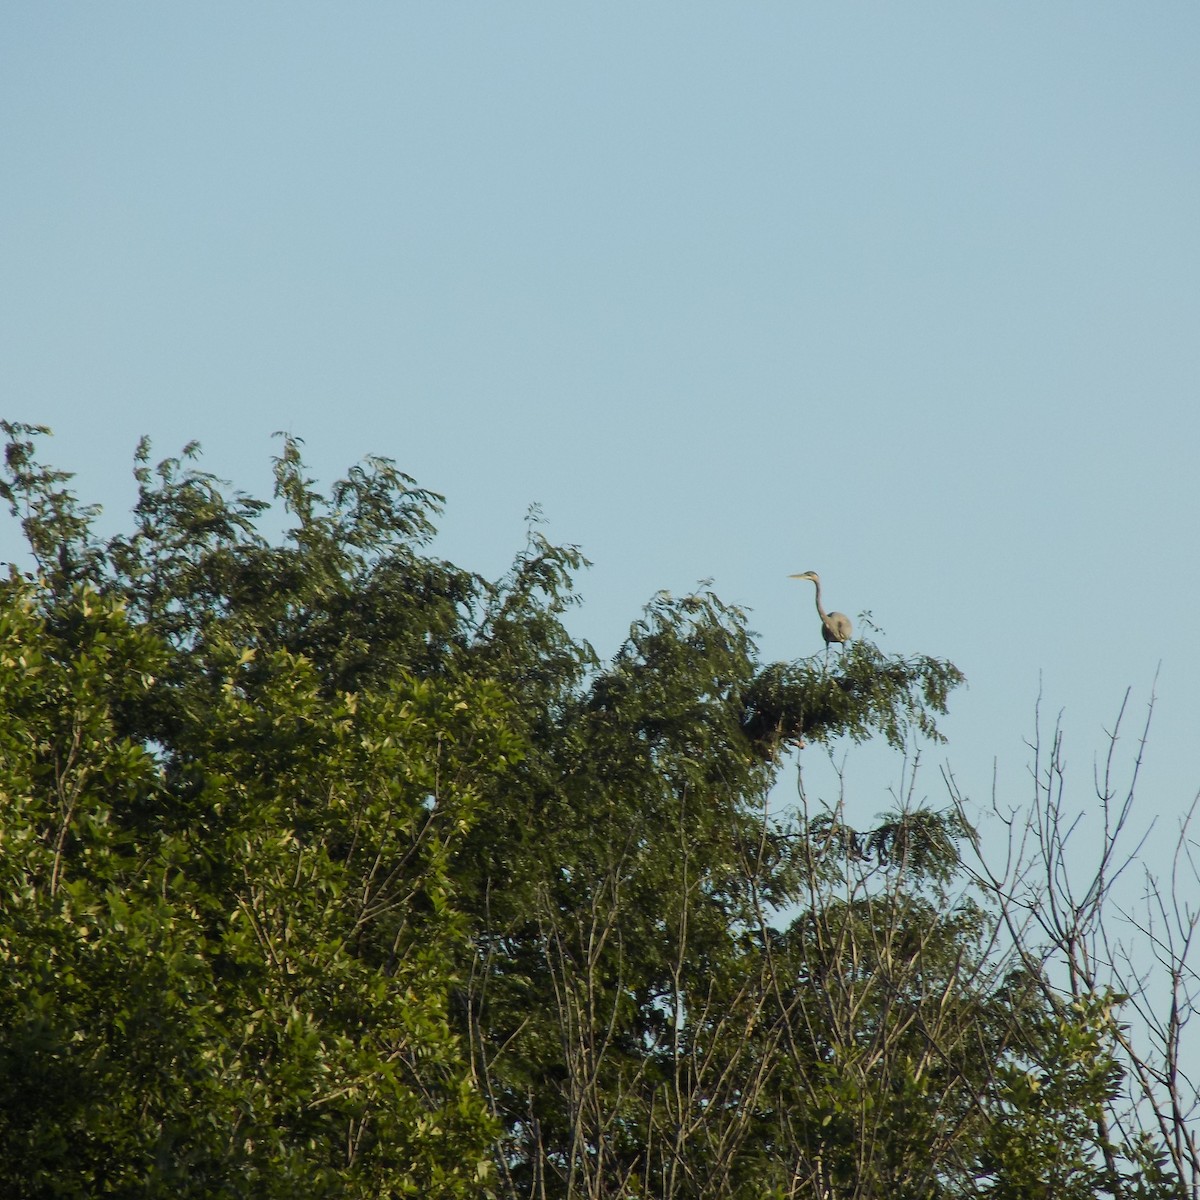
<point>227,973</point>
<point>1050,1105</point>
<point>867,695</point>
<point>229,935</point>
<point>332,869</point>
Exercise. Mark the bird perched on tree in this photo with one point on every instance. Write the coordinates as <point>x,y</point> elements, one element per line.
<point>835,626</point>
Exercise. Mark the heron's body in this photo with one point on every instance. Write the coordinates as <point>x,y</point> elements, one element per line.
<point>835,626</point>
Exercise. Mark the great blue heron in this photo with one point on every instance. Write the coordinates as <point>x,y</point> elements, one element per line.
<point>835,626</point>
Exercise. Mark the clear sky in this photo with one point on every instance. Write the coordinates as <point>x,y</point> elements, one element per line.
<point>908,294</point>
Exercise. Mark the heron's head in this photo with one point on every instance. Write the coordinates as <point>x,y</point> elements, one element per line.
<point>807,575</point>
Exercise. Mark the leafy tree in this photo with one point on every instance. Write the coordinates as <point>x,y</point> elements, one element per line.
<point>333,869</point>
<point>229,933</point>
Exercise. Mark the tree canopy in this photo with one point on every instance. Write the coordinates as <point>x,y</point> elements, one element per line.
<point>330,868</point>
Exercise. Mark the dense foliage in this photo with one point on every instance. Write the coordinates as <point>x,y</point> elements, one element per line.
<point>328,868</point>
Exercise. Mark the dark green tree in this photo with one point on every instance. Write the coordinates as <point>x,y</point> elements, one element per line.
<point>229,934</point>
<point>333,869</point>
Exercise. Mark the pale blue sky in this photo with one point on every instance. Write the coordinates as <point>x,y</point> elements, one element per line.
<point>904,293</point>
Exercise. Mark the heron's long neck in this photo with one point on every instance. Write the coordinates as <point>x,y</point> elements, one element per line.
<point>820,611</point>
